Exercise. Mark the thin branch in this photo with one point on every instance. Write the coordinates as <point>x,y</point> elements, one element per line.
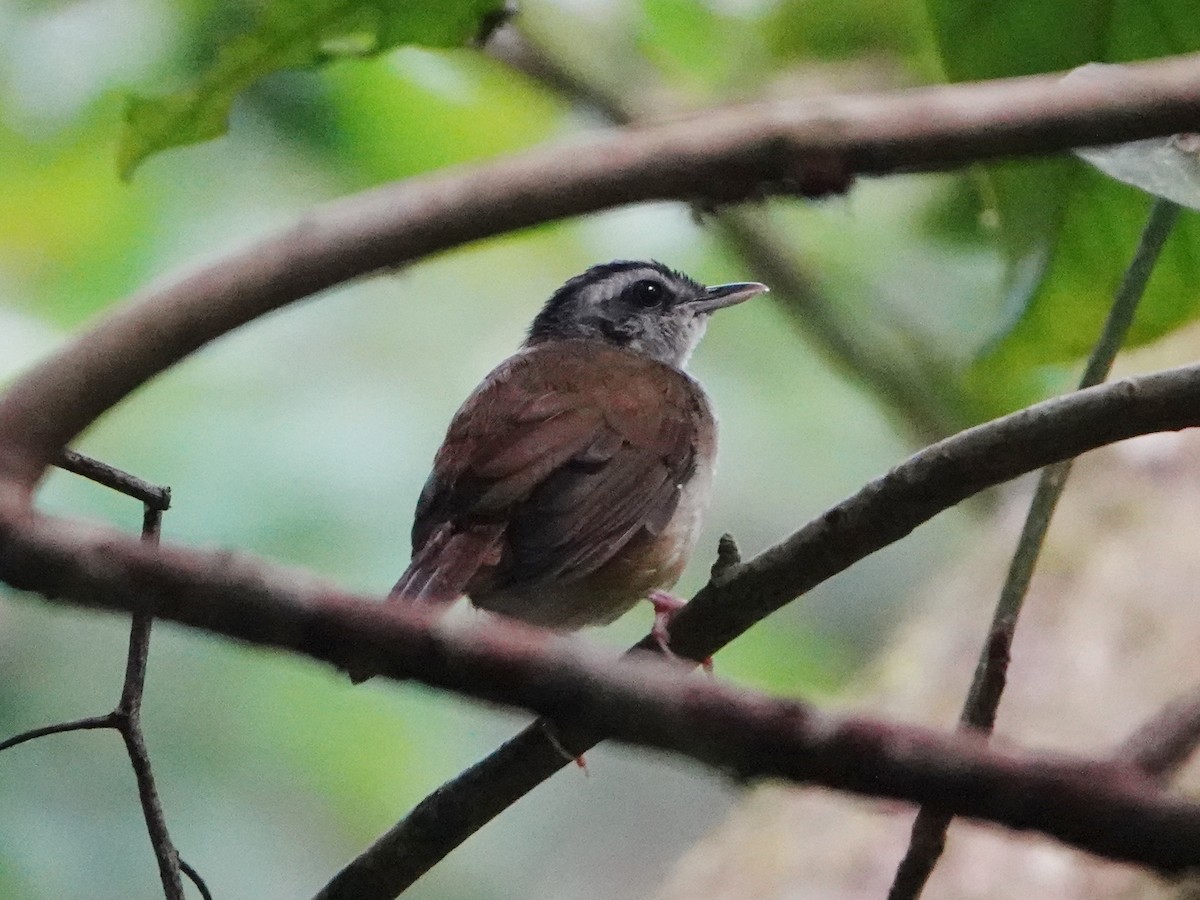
<point>195,878</point>
<point>129,721</point>
<point>126,717</point>
<point>513,47</point>
<point>916,391</point>
<point>929,829</point>
<point>805,147</point>
<point>152,495</point>
<point>86,724</point>
<point>501,662</point>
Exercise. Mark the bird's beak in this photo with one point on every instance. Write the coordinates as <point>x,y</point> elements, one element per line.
<point>721,295</point>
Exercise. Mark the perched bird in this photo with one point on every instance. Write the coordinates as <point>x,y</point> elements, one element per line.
<point>572,482</point>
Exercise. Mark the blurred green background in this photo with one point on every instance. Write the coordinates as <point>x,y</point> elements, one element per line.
<point>932,302</point>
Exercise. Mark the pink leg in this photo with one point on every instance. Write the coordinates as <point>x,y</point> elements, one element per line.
<point>665,607</point>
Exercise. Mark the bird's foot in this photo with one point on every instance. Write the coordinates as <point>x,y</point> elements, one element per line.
<point>665,607</point>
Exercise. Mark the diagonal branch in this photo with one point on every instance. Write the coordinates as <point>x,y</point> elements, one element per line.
<point>802,147</point>
<point>882,512</point>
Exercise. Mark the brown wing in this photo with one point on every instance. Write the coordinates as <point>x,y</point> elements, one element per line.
<point>562,455</point>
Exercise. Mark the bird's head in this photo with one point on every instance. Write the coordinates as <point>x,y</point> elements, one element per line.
<point>642,306</point>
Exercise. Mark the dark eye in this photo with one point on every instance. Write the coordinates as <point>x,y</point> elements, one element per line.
<point>644,294</point>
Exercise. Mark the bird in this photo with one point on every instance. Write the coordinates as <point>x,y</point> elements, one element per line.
<point>572,482</point>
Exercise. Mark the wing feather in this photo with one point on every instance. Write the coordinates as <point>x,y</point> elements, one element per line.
<point>562,456</point>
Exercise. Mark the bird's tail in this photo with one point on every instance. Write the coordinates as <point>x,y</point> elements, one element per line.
<point>441,570</point>
<point>445,564</point>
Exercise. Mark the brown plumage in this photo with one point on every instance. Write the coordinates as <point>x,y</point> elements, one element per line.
<point>568,453</point>
<point>572,481</point>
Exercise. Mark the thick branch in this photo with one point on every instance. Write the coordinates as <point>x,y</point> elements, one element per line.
<point>1100,807</point>
<point>808,147</point>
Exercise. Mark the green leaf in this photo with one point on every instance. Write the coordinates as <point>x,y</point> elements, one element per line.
<point>803,29</point>
<point>467,105</point>
<point>1067,230</point>
<point>291,34</point>
<point>701,49</point>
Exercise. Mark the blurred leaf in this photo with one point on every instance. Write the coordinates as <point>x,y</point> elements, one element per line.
<point>956,214</point>
<point>466,105</point>
<point>1068,231</point>
<point>802,28</point>
<point>291,34</point>
<point>71,236</point>
<point>690,39</point>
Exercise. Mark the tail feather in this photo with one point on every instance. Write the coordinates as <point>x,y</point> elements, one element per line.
<point>441,570</point>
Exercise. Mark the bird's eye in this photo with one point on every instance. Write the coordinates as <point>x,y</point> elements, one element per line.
<point>644,294</point>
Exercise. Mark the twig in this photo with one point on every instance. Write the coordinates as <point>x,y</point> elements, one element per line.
<point>85,724</point>
<point>805,147</point>
<point>195,878</point>
<point>152,495</point>
<point>929,829</point>
<point>515,49</point>
<point>126,717</point>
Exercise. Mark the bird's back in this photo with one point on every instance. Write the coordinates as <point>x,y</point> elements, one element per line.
<point>570,484</point>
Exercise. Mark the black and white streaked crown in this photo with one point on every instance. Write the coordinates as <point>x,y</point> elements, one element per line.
<point>558,317</point>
